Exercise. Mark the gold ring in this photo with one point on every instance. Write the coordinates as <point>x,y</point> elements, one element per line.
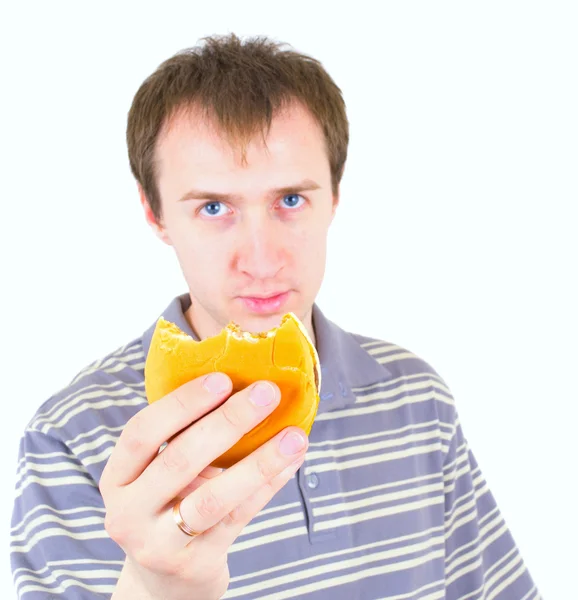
<point>180,521</point>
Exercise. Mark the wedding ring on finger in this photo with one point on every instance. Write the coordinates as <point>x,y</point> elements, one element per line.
<point>181,522</point>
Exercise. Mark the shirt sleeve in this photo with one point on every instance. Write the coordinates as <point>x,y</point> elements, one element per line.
<point>482,560</point>
<point>58,545</point>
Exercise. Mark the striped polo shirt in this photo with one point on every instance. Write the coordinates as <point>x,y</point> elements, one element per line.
<point>389,503</point>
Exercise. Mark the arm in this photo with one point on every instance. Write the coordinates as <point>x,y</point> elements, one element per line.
<point>63,546</point>
<point>482,560</point>
<point>59,548</point>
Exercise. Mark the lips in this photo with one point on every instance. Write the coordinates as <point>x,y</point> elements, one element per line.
<point>264,296</point>
<point>265,304</point>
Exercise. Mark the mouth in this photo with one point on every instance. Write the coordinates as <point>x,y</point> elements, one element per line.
<point>264,296</point>
<point>268,304</point>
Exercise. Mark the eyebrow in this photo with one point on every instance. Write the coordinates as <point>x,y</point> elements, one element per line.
<point>303,186</point>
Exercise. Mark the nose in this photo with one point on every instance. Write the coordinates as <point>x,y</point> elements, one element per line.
<point>260,251</point>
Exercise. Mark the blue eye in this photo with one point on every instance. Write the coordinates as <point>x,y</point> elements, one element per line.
<point>294,200</point>
<point>212,208</point>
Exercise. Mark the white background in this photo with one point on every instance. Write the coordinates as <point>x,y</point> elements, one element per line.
<point>456,236</point>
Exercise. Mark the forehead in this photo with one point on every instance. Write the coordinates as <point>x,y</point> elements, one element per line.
<point>190,139</point>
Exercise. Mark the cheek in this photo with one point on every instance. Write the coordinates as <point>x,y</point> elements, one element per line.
<point>309,248</point>
<point>200,255</point>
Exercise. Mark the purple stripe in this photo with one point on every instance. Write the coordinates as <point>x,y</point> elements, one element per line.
<point>400,581</point>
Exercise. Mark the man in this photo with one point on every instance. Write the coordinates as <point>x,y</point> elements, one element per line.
<point>238,150</point>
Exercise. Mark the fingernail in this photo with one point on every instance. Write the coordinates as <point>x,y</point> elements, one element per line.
<point>216,383</point>
<point>291,443</point>
<point>262,394</point>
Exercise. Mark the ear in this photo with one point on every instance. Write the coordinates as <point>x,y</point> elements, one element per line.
<point>157,227</point>
<point>336,198</point>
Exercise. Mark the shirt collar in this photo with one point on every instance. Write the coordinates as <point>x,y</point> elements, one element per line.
<point>345,365</point>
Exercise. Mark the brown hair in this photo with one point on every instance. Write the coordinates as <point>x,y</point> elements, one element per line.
<point>240,86</point>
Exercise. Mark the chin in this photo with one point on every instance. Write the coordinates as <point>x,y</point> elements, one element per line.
<point>259,323</point>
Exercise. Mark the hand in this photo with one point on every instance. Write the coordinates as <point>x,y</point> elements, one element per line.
<point>139,486</point>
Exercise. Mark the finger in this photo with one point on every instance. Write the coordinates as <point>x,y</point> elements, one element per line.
<point>146,431</point>
<point>207,473</point>
<point>201,443</point>
<point>221,536</point>
<point>218,497</point>
<point>204,476</point>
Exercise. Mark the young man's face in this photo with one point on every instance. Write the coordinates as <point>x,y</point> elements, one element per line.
<point>256,242</point>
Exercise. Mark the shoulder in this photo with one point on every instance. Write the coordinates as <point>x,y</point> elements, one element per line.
<point>399,360</point>
<point>411,376</point>
<point>89,412</point>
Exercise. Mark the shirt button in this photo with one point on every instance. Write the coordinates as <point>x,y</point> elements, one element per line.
<point>312,481</point>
